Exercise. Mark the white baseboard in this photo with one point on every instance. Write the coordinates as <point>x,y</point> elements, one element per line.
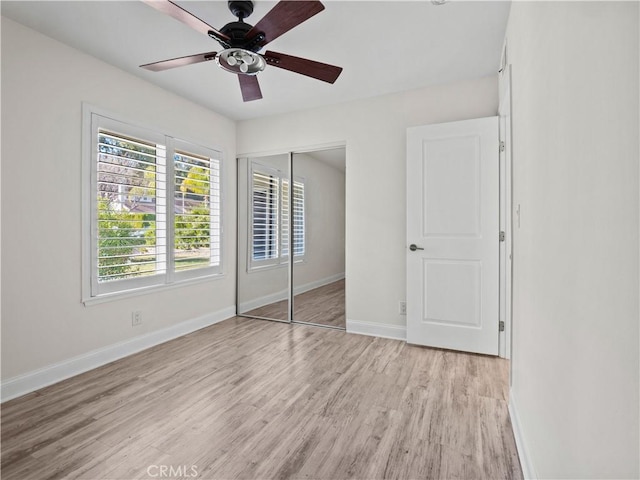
<point>283,294</point>
<point>384,330</point>
<point>524,455</point>
<point>43,377</point>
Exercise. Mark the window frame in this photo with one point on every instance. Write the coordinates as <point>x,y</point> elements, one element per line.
<point>93,119</point>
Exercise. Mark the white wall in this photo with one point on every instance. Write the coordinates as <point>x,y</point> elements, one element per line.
<point>43,85</point>
<point>575,319</point>
<point>374,131</point>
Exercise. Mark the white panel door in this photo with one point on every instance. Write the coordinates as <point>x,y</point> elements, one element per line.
<point>453,226</point>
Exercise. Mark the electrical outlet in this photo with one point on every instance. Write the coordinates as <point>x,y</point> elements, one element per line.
<point>136,318</point>
<point>402,308</point>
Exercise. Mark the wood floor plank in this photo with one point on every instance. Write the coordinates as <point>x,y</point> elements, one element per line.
<point>249,399</point>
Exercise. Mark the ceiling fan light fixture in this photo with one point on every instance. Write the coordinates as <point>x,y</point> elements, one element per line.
<point>239,60</point>
<point>242,41</point>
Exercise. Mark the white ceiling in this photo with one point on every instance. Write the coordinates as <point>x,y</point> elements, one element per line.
<point>383,46</point>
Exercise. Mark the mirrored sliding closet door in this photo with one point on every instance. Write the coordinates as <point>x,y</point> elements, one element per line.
<point>291,237</point>
<point>263,237</point>
<point>319,237</point>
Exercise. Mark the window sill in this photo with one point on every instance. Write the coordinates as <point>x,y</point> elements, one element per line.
<point>136,292</point>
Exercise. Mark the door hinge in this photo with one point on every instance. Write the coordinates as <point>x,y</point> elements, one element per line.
<point>502,236</point>
<point>502,146</point>
<point>501,326</point>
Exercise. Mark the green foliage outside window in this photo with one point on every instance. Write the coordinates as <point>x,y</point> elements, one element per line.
<point>119,238</point>
<point>192,229</point>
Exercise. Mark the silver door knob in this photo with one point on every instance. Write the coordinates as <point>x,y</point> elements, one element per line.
<point>413,247</point>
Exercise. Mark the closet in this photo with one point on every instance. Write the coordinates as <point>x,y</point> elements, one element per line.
<point>291,237</point>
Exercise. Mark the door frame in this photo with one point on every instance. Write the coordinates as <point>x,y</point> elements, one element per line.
<point>506,207</point>
<point>505,270</point>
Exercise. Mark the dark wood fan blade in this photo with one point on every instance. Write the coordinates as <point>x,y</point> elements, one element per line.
<point>321,71</point>
<point>169,8</point>
<point>250,87</point>
<point>283,17</point>
<point>179,62</point>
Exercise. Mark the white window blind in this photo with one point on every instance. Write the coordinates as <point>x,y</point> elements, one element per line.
<point>298,218</point>
<point>135,240</point>
<point>284,230</point>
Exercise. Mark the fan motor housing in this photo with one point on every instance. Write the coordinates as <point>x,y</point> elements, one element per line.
<point>237,32</point>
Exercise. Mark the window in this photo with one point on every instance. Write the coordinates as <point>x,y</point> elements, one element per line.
<point>269,215</point>
<point>155,208</point>
<point>197,206</point>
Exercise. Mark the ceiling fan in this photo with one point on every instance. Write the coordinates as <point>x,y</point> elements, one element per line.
<point>242,42</point>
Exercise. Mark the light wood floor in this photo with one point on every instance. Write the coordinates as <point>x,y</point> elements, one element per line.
<point>252,399</point>
<point>324,305</point>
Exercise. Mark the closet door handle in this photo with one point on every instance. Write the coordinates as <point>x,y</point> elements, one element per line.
<point>413,247</point>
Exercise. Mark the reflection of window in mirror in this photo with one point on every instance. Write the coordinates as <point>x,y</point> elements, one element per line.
<point>264,203</point>
<point>298,218</point>
<point>269,217</point>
